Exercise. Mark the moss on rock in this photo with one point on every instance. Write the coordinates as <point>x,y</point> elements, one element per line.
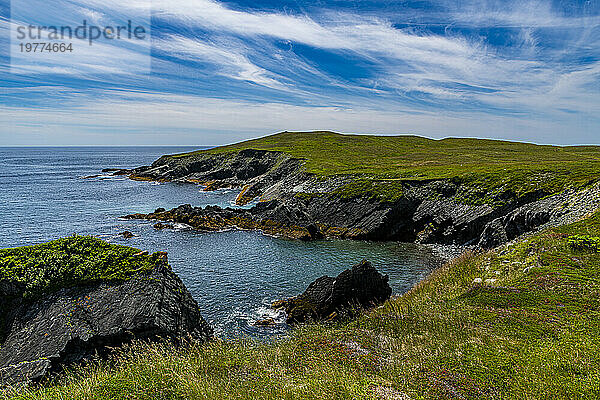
<point>72,261</point>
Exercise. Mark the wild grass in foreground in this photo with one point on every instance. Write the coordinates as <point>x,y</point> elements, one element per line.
<point>529,330</point>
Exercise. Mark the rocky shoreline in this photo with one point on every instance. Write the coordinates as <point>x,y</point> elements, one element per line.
<point>68,321</point>
<point>82,322</point>
<point>298,205</point>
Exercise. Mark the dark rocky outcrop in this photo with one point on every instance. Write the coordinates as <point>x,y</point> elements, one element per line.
<point>77,323</point>
<point>271,217</point>
<point>264,323</point>
<point>255,171</point>
<point>362,285</point>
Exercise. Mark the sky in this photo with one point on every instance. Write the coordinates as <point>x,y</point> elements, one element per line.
<point>216,72</point>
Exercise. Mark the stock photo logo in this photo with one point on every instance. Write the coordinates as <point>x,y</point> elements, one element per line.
<point>44,40</point>
<point>50,35</point>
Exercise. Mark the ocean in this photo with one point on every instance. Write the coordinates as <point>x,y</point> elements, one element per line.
<point>234,275</point>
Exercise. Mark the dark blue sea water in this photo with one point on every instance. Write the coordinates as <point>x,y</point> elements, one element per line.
<point>233,275</point>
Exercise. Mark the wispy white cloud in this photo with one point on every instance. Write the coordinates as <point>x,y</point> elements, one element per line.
<point>231,61</point>
<point>408,61</point>
<point>217,121</point>
<point>520,14</point>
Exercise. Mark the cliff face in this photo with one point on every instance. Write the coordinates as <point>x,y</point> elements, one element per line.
<point>297,204</point>
<point>80,322</point>
<point>256,172</point>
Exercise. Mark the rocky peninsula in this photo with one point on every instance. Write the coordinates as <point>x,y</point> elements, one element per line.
<point>321,184</point>
<point>517,320</point>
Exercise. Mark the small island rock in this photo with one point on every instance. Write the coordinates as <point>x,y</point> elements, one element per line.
<point>361,285</point>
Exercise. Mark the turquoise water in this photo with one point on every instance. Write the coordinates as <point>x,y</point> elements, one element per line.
<point>233,275</point>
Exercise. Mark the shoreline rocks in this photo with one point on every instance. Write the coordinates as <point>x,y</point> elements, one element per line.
<point>362,286</point>
<point>269,217</point>
<point>264,323</point>
<point>159,226</point>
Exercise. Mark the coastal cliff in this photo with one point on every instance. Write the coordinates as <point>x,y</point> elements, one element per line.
<point>517,321</point>
<point>321,184</point>
<point>70,300</point>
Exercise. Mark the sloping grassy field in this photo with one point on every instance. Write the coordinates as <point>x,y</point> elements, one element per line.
<point>382,162</point>
<point>520,322</point>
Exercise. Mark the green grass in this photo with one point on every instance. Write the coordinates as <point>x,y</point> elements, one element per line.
<point>63,263</point>
<point>534,333</point>
<point>490,167</point>
<point>376,189</point>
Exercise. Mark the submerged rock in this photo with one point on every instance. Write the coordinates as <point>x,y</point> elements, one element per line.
<point>264,323</point>
<point>127,234</point>
<point>78,323</point>
<point>362,285</point>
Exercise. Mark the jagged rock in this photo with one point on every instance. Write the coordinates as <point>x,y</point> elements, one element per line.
<point>117,171</point>
<point>270,217</point>
<point>127,234</point>
<point>161,225</point>
<point>267,322</point>
<point>561,209</point>
<point>298,205</point>
<point>75,324</point>
<point>361,285</point>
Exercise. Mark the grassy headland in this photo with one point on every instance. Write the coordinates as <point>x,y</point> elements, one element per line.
<point>519,322</point>
<point>381,163</point>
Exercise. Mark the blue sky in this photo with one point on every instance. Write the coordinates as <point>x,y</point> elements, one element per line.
<point>225,71</point>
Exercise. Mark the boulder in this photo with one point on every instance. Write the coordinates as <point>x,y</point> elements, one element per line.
<point>78,323</point>
<point>362,285</point>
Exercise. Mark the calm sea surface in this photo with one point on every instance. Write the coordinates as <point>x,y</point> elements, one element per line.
<point>233,275</point>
